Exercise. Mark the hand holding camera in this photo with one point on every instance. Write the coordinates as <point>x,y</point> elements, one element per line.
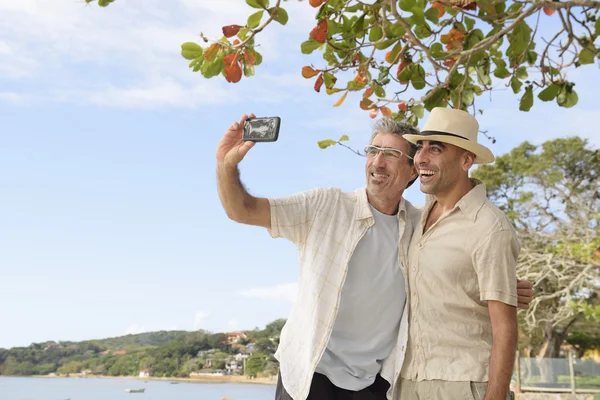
<point>241,137</point>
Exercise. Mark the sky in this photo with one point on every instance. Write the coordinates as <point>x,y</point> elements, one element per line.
<point>110,219</point>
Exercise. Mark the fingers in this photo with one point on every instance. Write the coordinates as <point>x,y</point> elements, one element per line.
<point>523,306</point>
<point>524,284</point>
<point>243,149</point>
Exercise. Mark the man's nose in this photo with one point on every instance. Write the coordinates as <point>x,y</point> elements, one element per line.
<point>379,160</point>
<point>421,157</point>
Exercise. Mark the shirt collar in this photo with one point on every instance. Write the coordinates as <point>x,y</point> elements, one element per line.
<point>363,209</point>
<point>470,203</point>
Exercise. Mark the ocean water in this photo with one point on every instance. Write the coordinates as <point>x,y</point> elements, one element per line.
<point>114,389</point>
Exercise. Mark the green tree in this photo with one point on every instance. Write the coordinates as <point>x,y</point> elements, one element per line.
<point>552,195</point>
<point>419,54</point>
<point>255,364</point>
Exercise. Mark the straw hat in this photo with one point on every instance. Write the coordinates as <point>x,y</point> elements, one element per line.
<point>457,127</point>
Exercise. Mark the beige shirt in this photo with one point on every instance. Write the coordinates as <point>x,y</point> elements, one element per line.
<point>467,257</point>
<point>326,225</point>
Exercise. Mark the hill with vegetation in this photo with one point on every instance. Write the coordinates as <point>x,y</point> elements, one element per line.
<point>164,353</point>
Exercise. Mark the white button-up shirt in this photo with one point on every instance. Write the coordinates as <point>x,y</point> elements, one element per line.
<point>326,225</point>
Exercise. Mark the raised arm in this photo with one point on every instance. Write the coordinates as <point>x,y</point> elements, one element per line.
<point>239,205</point>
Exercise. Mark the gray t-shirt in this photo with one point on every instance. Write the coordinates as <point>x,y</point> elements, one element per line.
<point>371,306</point>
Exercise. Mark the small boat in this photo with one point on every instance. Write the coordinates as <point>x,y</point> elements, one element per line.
<point>174,383</point>
<point>135,390</point>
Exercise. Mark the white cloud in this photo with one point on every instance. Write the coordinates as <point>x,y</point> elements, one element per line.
<point>284,291</point>
<point>135,329</point>
<point>199,318</point>
<point>141,39</point>
<point>14,98</point>
<point>165,93</point>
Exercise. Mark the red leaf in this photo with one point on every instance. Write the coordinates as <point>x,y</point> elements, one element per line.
<point>236,42</point>
<point>373,113</point>
<point>319,83</point>
<point>549,11</point>
<point>402,107</point>
<point>361,79</point>
<point>233,72</point>
<point>368,92</point>
<point>319,33</point>
<point>230,59</point>
<point>231,30</point>
<point>386,111</point>
<point>309,72</point>
<point>440,8</point>
<point>401,67</point>
<point>316,3</point>
<point>365,103</point>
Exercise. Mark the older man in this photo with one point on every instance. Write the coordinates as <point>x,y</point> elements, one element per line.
<point>344,336</point>
<point>462,258</point>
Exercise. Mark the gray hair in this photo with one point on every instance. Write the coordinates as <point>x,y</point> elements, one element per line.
<point>388,125</point>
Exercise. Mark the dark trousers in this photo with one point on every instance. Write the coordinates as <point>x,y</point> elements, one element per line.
<point>321,388</point>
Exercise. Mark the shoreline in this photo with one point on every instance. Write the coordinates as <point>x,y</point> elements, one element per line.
<point>196,379</point>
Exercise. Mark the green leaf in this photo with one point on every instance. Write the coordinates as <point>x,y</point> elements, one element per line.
<point>516,84</point>
<point>521,73</point>
<point>500,71</point>
<point>385,44</point>
<point>248,70</point>
<point>190,50</point>
<point>470,23</point>
<point>433,15</point>
<point>394,52</point>
<point>483,76</point>
<point>531,57</point>
<point>196,64</point>
<point>519,39</point>
<point>258,56</point>
<point>586,56</point>
<point>419,111</point>
<point>243,33</point>
<point>254,19</point>
<point>329,79</point>
<point>212,68</point>
<point>359,24</point>
<point>549,93</point>
<point>309,46</point>
<point>376,33</point>
<point>422,31</point>
<point>567,97</point>
<point>418,77</point>
<point>437,50</point>
<point>343,138</point>
<point>407,5</point>
<point>395,30</point>
<point>378,89</point>
<point>258,3</point>
<point>597,26</point>
<point>104,3</point>
<point>437,99</point>
<point>527,99</point>
<point>326,143</point>
<point>280,15</point>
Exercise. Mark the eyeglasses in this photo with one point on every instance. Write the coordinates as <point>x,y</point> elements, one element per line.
<point>388,153</point>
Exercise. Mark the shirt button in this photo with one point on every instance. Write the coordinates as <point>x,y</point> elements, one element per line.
<point>414,270</point>
<point>420,245</point>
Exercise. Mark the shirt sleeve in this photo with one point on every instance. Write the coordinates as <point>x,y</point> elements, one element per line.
<point>496,267</point>
<point>292,216</point>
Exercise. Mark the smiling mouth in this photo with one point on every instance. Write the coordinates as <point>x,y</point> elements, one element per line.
<point>379,176</point>
<point>426,175</point>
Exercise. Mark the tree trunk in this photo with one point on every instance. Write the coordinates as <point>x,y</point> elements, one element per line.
<point>550,350</point>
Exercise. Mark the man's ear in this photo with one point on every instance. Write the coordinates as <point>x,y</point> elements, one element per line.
<point>468,159</point>
<point>413,172</point>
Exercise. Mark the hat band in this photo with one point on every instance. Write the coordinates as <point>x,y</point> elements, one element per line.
<point>431,133</point>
